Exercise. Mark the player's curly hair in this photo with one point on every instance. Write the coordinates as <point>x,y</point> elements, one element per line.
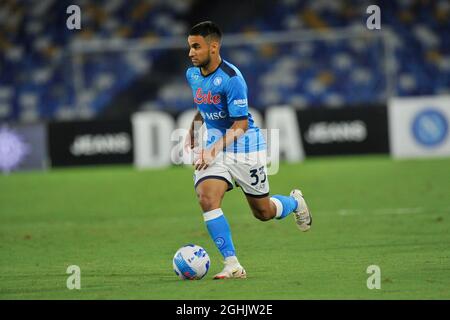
<point>206,29</point>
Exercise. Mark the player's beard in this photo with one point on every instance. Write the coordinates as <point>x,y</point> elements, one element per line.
<point>205,63</point>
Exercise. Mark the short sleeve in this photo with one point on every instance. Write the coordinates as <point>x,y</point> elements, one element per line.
<point>237,98</point>
<point>187,76</point>
<point>188,79</point>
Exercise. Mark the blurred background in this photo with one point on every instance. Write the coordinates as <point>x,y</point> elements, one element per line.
<point>352,105</point>
<point>131,56</point>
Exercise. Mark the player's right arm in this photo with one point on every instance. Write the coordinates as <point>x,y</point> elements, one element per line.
<point>189,143</point>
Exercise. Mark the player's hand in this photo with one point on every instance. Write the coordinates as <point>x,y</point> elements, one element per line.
<point>205,160</point>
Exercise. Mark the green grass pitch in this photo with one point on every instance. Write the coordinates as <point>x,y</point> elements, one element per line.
<point>122,226</point>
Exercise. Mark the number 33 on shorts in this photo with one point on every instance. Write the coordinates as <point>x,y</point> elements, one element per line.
<point>259,176</point>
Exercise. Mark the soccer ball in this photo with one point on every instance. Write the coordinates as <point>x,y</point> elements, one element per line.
<point>191,262</point>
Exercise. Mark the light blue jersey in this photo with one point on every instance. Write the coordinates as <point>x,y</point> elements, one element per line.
<point>221,98</point>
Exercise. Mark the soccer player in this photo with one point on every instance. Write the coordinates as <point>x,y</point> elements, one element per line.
<point>235,150</point>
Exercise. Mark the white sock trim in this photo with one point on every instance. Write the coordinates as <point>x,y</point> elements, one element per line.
<point>213,214</point>
<point>279,206</point>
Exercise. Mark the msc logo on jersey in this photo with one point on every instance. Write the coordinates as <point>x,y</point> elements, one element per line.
<point>430,127</point>
<point>206,98</point>
<point>213,115</point>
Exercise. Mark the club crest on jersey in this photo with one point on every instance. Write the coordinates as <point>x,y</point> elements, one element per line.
<point>206,98</point>
<point>217,81</point>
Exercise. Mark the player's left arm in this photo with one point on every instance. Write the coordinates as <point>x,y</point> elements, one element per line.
<point>238,128</point>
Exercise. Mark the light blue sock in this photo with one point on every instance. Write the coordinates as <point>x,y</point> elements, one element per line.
<point>219,230</point>
<point>285,205</point>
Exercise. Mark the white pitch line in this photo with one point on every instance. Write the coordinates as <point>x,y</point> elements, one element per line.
<point>383,211</point>
<point>399,210</point>
<point>347,212</point>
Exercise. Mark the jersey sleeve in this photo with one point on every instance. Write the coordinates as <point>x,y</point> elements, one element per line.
<point>188,79</point>
<point>237,98</point>
<point>188,76</point>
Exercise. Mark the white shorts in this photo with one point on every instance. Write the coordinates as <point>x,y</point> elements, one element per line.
<point>246,170</point>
